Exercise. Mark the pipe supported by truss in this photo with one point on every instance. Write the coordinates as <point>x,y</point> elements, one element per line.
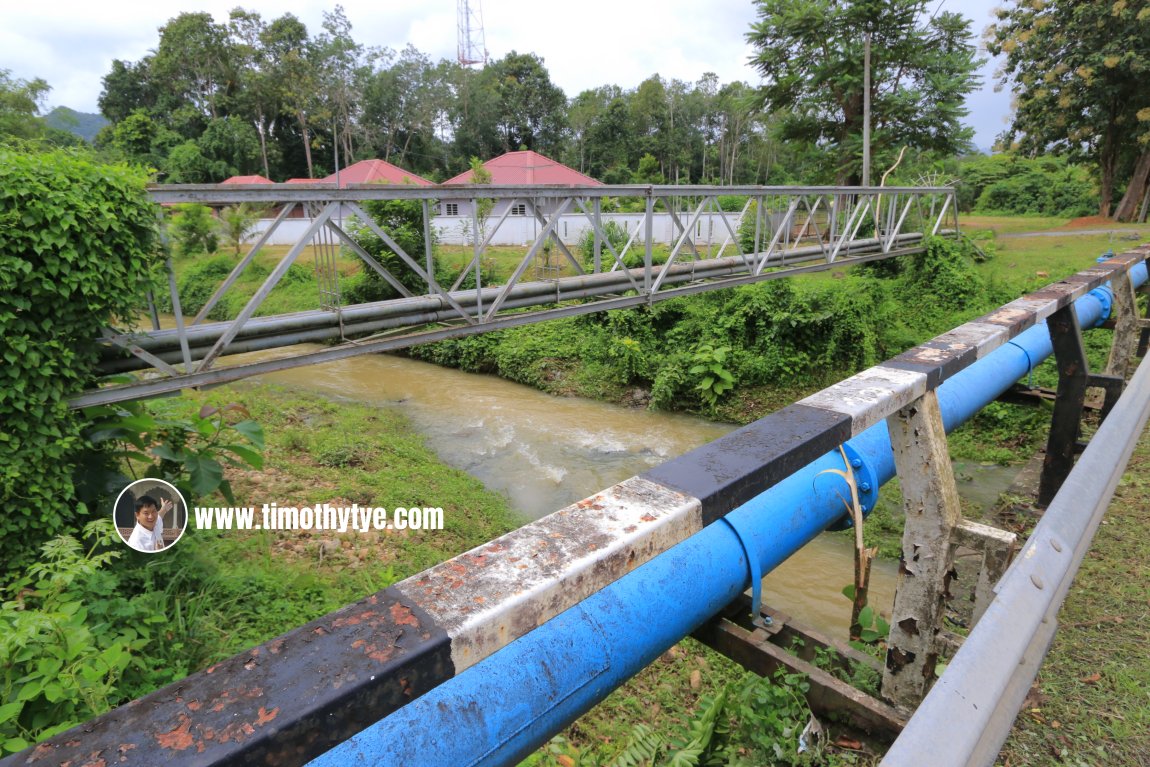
<point>261,333</point>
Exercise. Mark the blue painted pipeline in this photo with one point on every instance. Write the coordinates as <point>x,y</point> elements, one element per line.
<point>504,707</point>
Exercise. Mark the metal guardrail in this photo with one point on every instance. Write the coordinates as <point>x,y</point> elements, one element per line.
<point>972,706</point>
<point>795,229</point>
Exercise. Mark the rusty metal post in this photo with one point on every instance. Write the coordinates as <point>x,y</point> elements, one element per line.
<point>930,499</point>
<point>997,548</point>
<point>1065,423</point>
<point>1143,324</point>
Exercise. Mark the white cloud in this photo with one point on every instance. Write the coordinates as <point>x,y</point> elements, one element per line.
<point>586,44</point>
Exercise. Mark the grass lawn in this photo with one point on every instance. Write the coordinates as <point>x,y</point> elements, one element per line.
<point>323,451</point>
<point>1091,702</point>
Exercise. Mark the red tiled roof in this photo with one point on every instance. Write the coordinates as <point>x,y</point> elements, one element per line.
<point>307,181</point>
<point>376,171</point>
<point>247,180</point>
<point>527,167</point>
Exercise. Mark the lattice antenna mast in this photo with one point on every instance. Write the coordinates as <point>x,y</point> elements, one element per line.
<point>472,47</point>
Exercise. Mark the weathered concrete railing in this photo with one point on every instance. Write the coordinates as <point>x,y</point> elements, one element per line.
<point>479,659</point>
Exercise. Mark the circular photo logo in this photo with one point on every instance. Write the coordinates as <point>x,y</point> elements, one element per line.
<point>150,515</point>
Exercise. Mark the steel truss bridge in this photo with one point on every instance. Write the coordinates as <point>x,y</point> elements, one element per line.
<point>795,230</point>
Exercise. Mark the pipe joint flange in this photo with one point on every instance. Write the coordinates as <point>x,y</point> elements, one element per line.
<point>866,481</point>
<point>1105,297</point>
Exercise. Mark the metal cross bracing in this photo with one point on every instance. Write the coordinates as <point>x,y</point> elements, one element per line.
<point>789,229</point>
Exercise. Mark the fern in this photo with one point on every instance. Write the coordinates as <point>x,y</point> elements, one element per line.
<point>641,750</point>
<point>694,747</point>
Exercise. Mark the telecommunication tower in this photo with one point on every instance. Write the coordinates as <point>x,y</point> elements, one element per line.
<point>472,48</point>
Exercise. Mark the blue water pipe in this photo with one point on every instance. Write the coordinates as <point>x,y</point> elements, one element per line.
<point>500,710</point>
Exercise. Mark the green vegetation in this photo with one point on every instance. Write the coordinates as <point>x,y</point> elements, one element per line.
<point>193,229</point>
<point>135,623</point>
<point>811,57</point>
<point>1078,89</point>
<point>805,332</point>
<point>20,105</point>
<point>1091,702</point>
<point>403,221</point>
<point>1015,185</point>
<point>76,256</point>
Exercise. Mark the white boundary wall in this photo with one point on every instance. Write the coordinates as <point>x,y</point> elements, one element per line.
<point>523,230</point>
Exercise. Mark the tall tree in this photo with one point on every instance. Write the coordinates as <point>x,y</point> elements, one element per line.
<point>20,104</point>
<point>258,96</point>
<point>532,108</point>
<point>341,69</point>
<point>810,53</point>
<point>195,63</point>
<point>404,106</point>
<point>287,47</point>
<point>127,88</point>
<point>474,114</point>
<point>1078,70</point>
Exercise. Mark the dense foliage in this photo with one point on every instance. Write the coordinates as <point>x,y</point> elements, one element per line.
<point>250,95</point>
<point>811,56</point>
<point>1013,184</point>
<point>403,221</point>
<point>76,253</point>
<point>20,105</point>
<point>1078,74</point>
<point>687,353</point>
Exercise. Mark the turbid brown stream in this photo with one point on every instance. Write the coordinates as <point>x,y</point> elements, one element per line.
<point>544,452</point>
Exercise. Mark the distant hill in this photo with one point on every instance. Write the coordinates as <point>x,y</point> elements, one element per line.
<point>83,124</point>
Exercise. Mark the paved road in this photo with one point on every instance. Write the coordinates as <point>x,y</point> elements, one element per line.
<point>1132,234</point>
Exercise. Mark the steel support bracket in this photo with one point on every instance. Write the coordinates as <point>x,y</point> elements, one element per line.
<point>1066,422</point>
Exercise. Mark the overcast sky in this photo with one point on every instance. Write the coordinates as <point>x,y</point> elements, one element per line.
<point>72,44</point>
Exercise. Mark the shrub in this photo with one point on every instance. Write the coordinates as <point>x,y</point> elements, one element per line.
<point>1045,186</point>
<point>197,285</point>
<point>614,234</point>
<point>77,252</point>
<point>49,685</point>
<point>194,229</point>
<point>237,222</point>
<point>403,222</point>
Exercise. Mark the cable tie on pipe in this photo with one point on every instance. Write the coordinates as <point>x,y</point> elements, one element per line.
<point>757,617</point>
<point>1029,364</point>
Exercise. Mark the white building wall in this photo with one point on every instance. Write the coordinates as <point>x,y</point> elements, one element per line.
<point>523,230</point>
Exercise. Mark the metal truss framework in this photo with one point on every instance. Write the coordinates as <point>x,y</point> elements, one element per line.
<point>796,229</point>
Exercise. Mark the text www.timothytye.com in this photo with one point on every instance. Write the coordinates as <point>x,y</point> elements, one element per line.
<point>340,519</point>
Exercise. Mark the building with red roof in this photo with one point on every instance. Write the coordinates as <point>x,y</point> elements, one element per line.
<point>247,180</point>
<point>522,168</point>
<point>528,168</point>
<point>375,172</point>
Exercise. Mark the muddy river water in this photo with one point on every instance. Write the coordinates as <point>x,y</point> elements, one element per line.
<point>544,452</point>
